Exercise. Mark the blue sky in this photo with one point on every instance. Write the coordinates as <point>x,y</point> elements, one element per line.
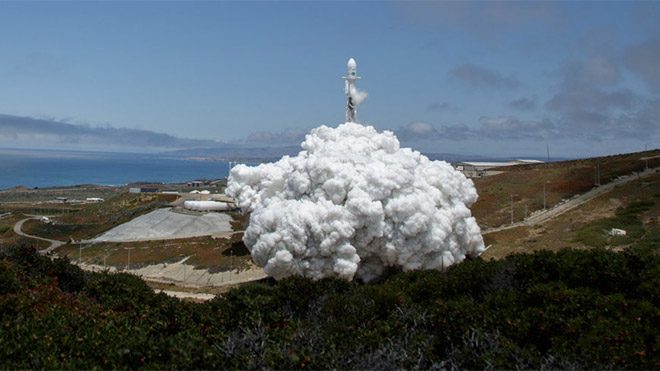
<point>485,78</point>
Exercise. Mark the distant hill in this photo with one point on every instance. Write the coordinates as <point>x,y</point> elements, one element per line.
<point>30,132</point>
<point>236,152</point>
<point>264,153</point>
<point>242,152</point>
<point>18,131</point>
<point>454,158</point>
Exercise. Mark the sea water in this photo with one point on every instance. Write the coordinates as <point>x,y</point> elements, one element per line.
<point>45,168</point>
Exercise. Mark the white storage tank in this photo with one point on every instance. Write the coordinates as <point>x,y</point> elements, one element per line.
<point>206,205</point>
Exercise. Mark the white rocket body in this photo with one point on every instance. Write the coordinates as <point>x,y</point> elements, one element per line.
<point>350,90</point>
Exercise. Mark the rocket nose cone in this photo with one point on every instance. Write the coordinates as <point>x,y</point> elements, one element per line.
<point>351,63</point>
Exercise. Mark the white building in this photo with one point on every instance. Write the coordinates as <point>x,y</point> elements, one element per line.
<point>476,168</point>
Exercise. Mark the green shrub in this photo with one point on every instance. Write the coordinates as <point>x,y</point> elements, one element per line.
<point>119,292</point>
<point>572,309</point>
<point>595,234</point>
<point>8,278</point>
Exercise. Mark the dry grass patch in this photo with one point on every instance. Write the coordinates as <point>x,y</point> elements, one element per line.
<point>577,227</point>
<point>216,255</point>
<point>562,180</point>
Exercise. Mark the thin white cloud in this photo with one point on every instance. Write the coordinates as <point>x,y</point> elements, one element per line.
<point>524,103</point>
<point>476,76</point>
<point>31,131</point>
<point>644,60</point>
<point>283,137</point>
<point>510,127</point>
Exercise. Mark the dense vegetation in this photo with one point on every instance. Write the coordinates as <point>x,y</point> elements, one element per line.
<point>596,233</point>
<point>572,309</point>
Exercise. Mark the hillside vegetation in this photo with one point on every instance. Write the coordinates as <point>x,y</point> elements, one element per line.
<point>572,309</point>
<point>633,207</point>
<point>523,185</point>
<point>221,254</point>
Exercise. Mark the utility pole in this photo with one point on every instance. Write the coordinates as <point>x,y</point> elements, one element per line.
<point>128,261</point>
<point>545,203</point>
<point>547,151</point>
<point>512,208</point>
<point>597,175</point>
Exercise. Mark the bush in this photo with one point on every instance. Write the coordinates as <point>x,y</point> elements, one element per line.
<point>570,310</point>
<point>595,234</point>
<point>119,292</point>
<point>8,278</point>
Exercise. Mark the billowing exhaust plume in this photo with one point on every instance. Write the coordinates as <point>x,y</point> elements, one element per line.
<point>352,203</point>
<point>358,95</point>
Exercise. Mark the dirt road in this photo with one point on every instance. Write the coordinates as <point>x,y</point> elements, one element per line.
<point>53,243</point>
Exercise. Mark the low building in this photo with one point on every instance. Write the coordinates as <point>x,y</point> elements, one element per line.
<point>476,168</point>
<point>196,183</point>
<point>143,190</point>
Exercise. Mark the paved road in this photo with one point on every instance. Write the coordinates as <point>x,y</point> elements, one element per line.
<point>53,243</point>
<point>543,216</point>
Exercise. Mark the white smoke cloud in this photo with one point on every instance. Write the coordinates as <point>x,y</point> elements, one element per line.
<point>353,202</point>
<point>358,95</point>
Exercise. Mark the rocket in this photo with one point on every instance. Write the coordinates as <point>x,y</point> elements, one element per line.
<point>350,90</point>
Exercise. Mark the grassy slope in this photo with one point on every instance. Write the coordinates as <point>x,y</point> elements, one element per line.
<point>81,192</point>
<point>587,226</point>
<point>9,238</point>
<point>565,179</point>
<point>205,253</point>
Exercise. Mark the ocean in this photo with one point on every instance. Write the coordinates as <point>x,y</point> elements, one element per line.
<point>53,168</point>
<point>46,168</point>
